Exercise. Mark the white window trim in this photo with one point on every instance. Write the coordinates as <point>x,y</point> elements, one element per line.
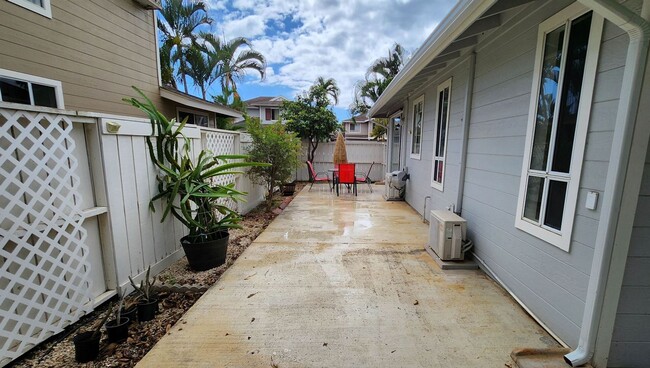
<point>416,156</point>
<point>440,186</point>
<point>271,108</point>
<point>45,10</point>
<point>561,239</point>
<point>58,88</point>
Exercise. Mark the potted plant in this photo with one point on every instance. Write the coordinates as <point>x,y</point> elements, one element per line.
<point>117,329</point>
<point>289,188</point>
<point>185,186</point>
<point>130,308</point>
<point>148,303</point>
<point>86,343</point>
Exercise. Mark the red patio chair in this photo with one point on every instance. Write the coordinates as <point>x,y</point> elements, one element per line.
<point>346,176</point>
<point>317,176</point>
<point>361,178</point>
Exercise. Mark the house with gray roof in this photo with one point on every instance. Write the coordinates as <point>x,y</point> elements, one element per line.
<point>266,108</point>
<point>527,118</point>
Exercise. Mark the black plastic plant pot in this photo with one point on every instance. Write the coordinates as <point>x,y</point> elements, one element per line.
<point>86,346</point>
<point>208,254</point>
<point>131,314</point>
<point>289,188</point>
<point>147,310</point>
<point>117,332</point>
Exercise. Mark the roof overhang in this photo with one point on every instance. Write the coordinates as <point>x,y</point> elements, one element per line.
<point>197,103</point>
<point>458,32</point>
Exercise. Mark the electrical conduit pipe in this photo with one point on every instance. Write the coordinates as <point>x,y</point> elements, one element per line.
<point>638,30</point>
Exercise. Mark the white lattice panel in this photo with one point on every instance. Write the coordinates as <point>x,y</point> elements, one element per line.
<point>220,143</point>
<point>44,273</point>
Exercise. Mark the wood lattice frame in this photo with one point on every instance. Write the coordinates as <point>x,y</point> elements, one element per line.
<point>44,269</point>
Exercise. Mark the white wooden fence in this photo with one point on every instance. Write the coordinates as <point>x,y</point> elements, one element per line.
<point>361,153</point>
<point>75,219</point>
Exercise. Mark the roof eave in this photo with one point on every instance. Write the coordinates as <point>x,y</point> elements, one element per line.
<point>459,18</point>
<point>197,103</point>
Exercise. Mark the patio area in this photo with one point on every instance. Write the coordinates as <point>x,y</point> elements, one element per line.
<point>345,282</point>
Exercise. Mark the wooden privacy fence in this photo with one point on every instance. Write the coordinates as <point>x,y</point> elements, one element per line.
<point>75,220</point>
<point>361,153</point>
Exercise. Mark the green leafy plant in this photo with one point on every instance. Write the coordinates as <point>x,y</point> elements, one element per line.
<point>145,289</point>
<point>275,145</point>
<point>185,184</point>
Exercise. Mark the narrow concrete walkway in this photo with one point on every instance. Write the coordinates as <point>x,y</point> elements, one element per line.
<point>345,282</point>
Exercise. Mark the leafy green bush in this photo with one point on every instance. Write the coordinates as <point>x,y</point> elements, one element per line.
<point>275,145</point>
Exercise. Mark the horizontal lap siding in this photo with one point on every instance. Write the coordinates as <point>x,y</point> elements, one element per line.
<point>631,338</point>
<point>98,49</point>
<point>419,185</point>
<point>550,282</point>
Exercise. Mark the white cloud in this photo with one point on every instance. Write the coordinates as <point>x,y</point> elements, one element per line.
<point>338,39</point>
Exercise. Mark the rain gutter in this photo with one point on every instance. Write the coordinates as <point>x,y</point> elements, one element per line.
<point>623,180</point>
<point>461,16</point>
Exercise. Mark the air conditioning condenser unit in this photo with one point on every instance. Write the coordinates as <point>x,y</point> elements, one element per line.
<point>395,185</point>
<point>447,233</point>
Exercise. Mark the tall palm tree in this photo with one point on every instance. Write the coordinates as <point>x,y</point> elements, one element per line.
<point>378,77</point>
<point>236,63</point>
<point>324,89</point>
<point>167,66</point>
<point>178,25</point>
<point>388,67</point>
<point>204,62</point>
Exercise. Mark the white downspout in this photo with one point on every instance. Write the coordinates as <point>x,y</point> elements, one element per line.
<point>466,118</point>
<point>638,30</point>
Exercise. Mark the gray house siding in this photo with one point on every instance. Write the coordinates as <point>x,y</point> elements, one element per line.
<point>631,339</point>
<point>419,185</point>
<point>552,283</point>
<point>98,49</point>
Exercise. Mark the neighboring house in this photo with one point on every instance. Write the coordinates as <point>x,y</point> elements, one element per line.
<point>526,118</point>
<point>359,128</point>
<point>267,109</point>
<point>85,56</point>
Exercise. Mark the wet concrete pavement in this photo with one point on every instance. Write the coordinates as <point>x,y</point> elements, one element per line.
<point>345,282</point>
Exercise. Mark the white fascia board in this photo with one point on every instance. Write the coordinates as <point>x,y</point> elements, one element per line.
<point>453,25</point>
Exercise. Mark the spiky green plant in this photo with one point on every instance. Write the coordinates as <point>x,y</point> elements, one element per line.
<point>185,185</point>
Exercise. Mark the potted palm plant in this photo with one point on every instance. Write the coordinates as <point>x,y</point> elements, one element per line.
<point>185,186</point>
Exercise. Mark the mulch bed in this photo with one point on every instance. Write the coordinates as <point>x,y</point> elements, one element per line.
<point>58,351</point>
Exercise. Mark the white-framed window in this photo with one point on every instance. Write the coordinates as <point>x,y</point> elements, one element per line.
<point>193,117</point>
<point>563,82</point>
<point>354,127</point>
<point>41,7</point>
<point>417,116</point>
<point>272,114</point>
<point>440,133</point>
<point>27,89</point>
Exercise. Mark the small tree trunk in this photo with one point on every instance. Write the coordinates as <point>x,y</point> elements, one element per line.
<point>312,152</point>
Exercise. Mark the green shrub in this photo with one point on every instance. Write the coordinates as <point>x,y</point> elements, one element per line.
<point>275,145</point>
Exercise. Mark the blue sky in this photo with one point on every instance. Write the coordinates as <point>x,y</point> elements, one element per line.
<point>338,39</point>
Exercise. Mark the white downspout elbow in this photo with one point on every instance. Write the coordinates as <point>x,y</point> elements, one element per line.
<point>638,30</point>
